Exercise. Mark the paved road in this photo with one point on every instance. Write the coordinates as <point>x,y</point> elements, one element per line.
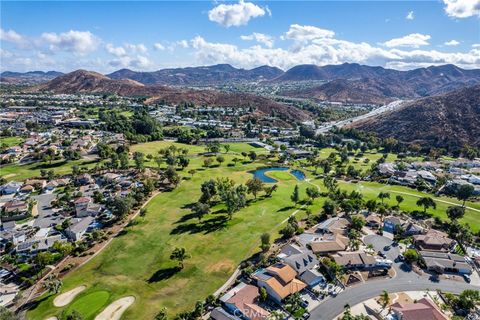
<point>46,215</point>
<point>405,280</point>
<point>329,125</point>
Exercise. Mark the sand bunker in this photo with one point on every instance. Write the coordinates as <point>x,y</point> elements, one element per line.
<point>52,318</point>
<point>115,309</point>
<point>67,297</point>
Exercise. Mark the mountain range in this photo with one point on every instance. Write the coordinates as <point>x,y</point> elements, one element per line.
<point>82,81</point>
<point>30,77</point>
<point>208,75</point>
<point>363,84</point>
<point>449,121</point>
<point>348,82</point>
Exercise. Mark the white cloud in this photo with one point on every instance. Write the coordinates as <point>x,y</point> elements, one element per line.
<point>137,62</point>
<point>78,42</point>
<point>237,14</point>
<point>136,48</point>
<point>327,51</point>
<point>11,36</point>
<point>260,38</point>
<point>462,8</point>
<point>158,46</point>
<point>410,15</point>
<point>413,40</point>
<point>182,44</point>
<point>5,54</point>
<point>307,33</point>
<point>129,56</point>
<point>476,45</point>
<point>116,51</point>
<point>452,43</point>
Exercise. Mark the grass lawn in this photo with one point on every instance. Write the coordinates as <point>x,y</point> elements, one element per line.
<point>370,190</point>
<point>137,263</point>
<point>90,305</point>
<point>155,146</point>
<point>20,172</point>
<point>11,141</point>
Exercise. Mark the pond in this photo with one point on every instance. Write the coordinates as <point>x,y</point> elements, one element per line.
<point>260,174</point>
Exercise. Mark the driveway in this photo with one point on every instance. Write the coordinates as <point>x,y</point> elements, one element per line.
<point>46,216</point>
<point>405,280</point>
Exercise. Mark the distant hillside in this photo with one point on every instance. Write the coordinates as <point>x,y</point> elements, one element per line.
<point>31,77</point>
<point>355,83</point>
<point>449,121</point>
<point>306,72</point>
<point>82,81</point>
<point>198,76</point>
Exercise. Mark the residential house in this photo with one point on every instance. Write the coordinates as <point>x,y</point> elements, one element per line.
<point>15,207</point>
<point>11,187</point>
<point>434,240</point>
<point>390,223</point>
<point>279,281</point>
<point>81,205</point>
<point>423,309</point>
<point>410,228</point>
<point>312,277</point>
<point>354,260</point>
<point>84,179</point>
<point>373,221</point>
<point>441,262</point>
<point>242,301</point>
<point>300,259</point>
<point>323,244</point>
<point>78,228</point>
<point>303,261</point>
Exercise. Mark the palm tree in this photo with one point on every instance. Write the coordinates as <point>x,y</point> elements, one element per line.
<point>399,199</point>
<point>180,255</point>
<point>426,202</point>
<point>383,195</point>
<point>384,299</point>
<point>370,247</point>
<point>52,284</point>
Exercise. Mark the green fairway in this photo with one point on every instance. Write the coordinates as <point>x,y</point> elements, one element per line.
<point>370,190</point>
<point>138,263</point>
<point>11,141</point>
<point>20,172</point>
<point>91,304</point>
<point>155,146</point>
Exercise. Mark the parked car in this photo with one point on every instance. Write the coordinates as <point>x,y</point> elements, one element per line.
<point>381,254</point>
<point>467,278</point>
<point>304,303</point>
<point>401,257</point>
<point>306,315</point>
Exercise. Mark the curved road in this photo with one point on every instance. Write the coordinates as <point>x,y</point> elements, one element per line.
<point>405,280</point>
<point>325,127</point>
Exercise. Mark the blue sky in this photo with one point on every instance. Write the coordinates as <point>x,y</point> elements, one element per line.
<point>106,36</point>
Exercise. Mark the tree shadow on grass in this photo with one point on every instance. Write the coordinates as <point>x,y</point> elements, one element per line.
<point>121,233</point>
<point>186,217</point>
<point>34,304</point>
<point>285,208</point>
<point>164,274</point>
<point>206,226</point>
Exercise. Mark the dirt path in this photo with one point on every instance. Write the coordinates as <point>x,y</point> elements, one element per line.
<point>67,297</point>
<point>115,309</point>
